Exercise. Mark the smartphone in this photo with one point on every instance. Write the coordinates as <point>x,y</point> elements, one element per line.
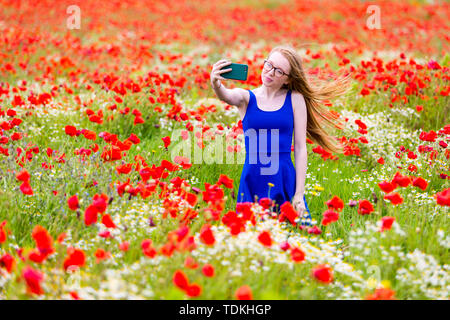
<point>238,71</point>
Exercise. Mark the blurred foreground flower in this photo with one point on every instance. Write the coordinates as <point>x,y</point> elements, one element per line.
<point>323,273</point>
<point>244,293</point>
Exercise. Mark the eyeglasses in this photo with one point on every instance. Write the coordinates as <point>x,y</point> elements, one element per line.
<point>278,72</point>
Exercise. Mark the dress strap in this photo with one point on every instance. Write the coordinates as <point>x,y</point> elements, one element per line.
<point>289,97</point>
<point>251,99</point>
<point>249,105</point>
<point>251,94</point>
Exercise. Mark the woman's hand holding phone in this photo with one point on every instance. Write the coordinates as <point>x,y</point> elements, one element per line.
<point>216,71</point>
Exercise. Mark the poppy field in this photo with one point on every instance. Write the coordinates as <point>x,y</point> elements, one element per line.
<point>95,202</point>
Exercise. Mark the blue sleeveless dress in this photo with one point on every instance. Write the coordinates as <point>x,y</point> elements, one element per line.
<point>268,140</point>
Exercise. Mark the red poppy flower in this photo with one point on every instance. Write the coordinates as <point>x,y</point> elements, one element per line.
<point>7,261</point>
<point>134,138</point>
<point>183,161</point>
<point>95,118</point>
<point>36,256</point>
<point>70,130</point>
<point>428,136</point>
<point>365,207</point>
<point>74,295</point>
<point>323,273</point>
<point>443,197</point>
<point>190,263</point>
<point>107,221</point>
<point>265,239</point>
<point>208,270</point>
<point>288,211</point>
<point>386,223</point>
<point>394,198</point>
<point>363,140</point>
<point>105,234</point>
<point>145,173</point>
<point>11,112</point>
<point>412,155</point>
<point>124,168</point>
<point>297,255</point>
<point>169,166</point>
<point>147,248</point>
<point>180,280</point>
<point>2,232</point>
<point>193,290</point>
<point>226,181</point>
<point>73,202</point>
<point>124,246</point>
<point>181,233</point>
<point>33,279</point>
<point>101,254</point>
<point>266,203</point>
<point>314,230</point>
<point>16,136</point>
<point>364,92</point>
<point>111,153</point>
<point>212,193</point>
<point>335,203</point>
<point>90,135</point>
<point>138,120</point>
<point>402,181</point>
<point>236,226</point>
<point>90,215</point>
<point>329,216</point>
<point>420,182</point>
<point>244,293</point>
<point>100,202</point>
<point>43,240</point>
<point>285,246</point>
<point>75,257</point>
<point>381,294</point>
<point>166,141</point>
<point>26,188</point>
<point>61,237</point>
<point>136,112</point>
<point>386,186</point>
<point>23,175</point>
<point>206,235</point>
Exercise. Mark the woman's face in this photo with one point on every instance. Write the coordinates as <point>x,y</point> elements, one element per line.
<point>271,78</point>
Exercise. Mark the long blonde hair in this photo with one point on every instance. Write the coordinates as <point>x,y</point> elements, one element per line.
<point>315,92</point>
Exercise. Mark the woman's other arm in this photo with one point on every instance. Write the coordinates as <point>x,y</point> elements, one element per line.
<point>300,151</point>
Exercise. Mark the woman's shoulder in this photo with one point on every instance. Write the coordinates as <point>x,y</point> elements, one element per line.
<point>298,101</point>
<point>293,90</point>
<point>297,94</point>
<point>244,96</point>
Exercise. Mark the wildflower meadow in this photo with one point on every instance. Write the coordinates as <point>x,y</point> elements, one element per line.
<point>101,199</point>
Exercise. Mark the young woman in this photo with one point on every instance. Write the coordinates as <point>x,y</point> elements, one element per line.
<point>286,103</point>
